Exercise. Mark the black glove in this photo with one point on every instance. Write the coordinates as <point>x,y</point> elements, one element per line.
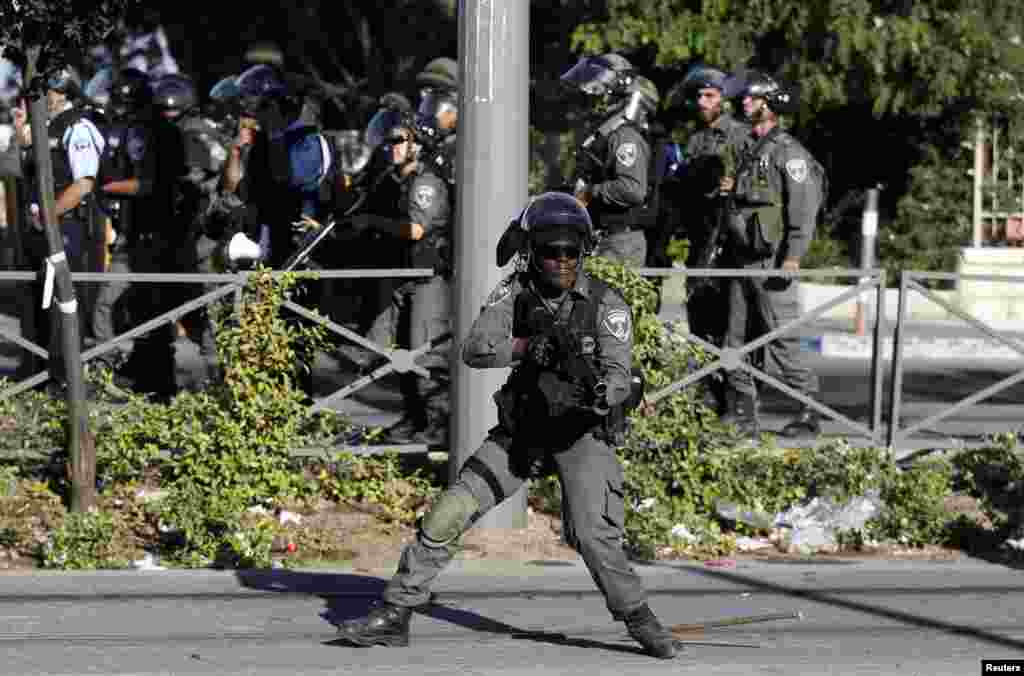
<point>542,350</point>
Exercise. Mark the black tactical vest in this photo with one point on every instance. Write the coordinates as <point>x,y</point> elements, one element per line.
<point>606,218</point>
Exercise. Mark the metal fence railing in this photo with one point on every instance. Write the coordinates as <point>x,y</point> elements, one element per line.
<point>870,281</point>
<point>884,426</point>
<point>910,281</point>
<point>397,360</point>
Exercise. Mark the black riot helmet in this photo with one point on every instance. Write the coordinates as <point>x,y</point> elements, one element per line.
<point>66,81</point>
<point>609,74</point>
<point>548,218</point>
<point>434,102</point>
<point>174,93</point>
<point>385,123</point>
<point>780,99</point>
<point>131,93</point>
<point>684,93</point>
<point>222,104</point>
<point>261,86</point>
<point>440,73</point>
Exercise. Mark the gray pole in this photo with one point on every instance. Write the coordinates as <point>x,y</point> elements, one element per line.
<point>81,445</point>
<point>491,171</point>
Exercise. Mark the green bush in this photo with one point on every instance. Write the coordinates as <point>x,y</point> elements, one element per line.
<point>83,542</point>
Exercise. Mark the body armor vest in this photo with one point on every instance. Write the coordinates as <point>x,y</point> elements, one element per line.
<point>434,250</point>
<point>541,395</point>
<point>598,163</point>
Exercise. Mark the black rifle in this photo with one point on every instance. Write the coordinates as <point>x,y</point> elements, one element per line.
<point>315,237</point>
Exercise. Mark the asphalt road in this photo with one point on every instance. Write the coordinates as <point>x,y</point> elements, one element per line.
<point>515,619</point>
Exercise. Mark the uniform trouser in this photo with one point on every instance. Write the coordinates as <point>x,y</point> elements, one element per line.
<point>152,358</point>
<point>707,316</point>
<point>204,327</point>
<point>628,247</point>
<point>426,305</point>
<point>758,305</point>
<point>593,510</point>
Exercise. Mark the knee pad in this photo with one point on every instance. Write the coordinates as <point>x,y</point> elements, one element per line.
<point>449,516</point>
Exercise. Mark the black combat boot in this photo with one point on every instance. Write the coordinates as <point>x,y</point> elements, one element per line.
<point>385,625</point>
<point>804,425</point>
<point>742,414</point>
<point>646,630</point>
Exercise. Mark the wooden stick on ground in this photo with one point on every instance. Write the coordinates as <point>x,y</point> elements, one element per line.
<point>734,621</point>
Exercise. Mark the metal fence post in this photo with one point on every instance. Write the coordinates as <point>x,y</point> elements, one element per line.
<point>868,239</point>
<point>878,359</point>
<point>896,391</point>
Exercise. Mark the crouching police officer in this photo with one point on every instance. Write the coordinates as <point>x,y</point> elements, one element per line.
<point>779,190</point>
<point>569,339</point>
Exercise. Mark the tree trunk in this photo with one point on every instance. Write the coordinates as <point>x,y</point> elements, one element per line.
<point>81,445</point>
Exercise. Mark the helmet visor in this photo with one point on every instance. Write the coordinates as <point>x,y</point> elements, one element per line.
<point>353,151</point>
<point>592,75</point>
<point>383,126</point>
<point>225,90</point>
<point>434,103</point>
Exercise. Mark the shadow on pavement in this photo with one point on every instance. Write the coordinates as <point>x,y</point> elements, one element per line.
<point>869,609</point>
<point>350,596</point>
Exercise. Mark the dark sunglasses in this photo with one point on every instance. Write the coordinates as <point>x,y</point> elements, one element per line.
<point>554,252</point>
<point>396,140</point>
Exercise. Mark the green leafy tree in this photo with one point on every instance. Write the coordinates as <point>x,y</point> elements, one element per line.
<point>905,76</point>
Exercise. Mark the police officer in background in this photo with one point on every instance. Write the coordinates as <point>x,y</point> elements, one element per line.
<point>142,168</point>
<point>175,98</point>
<point>712,152</point>
<point>613,161</point>
<point>423,224</point>
<point>439,103</point>
<point>551,420</point>
<point>779,173</point>
<point>288,161</point>
<point>75,147</point>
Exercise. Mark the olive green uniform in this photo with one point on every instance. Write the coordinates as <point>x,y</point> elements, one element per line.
<point>572,444</point>
<point>780,171</point>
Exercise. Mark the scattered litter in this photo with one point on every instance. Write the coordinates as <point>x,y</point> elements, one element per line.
<point>811,527</point>
<point>150,496</point>
<point>258,509</point>
<point>745,595</point>
<point>1016,544</point>
<point>147,562</point>
<point>645,504</point>
<point>286,517</point>
<point>749,544</point>
<point>683,533</point>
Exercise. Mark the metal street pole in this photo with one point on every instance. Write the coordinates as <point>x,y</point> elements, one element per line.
<point>491,170</point>
<point>868,243</point>
<point>58,291</point>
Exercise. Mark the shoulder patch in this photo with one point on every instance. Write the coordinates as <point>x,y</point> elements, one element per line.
<point>500,292</point>
<point>618,324</point>
<point>626,154</point>
<point>797,169</point>
<point>424,196</point>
